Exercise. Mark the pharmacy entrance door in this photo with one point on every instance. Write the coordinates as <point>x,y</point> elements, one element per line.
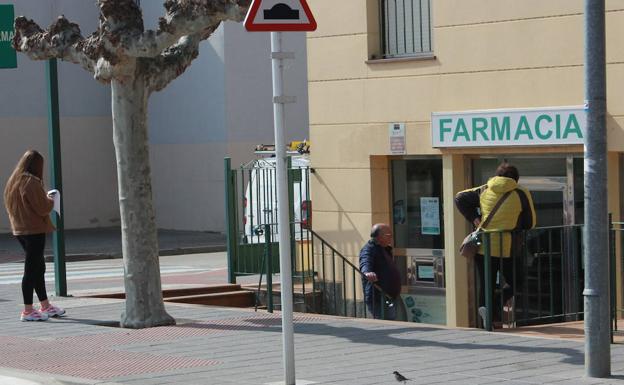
<point>549,272</point>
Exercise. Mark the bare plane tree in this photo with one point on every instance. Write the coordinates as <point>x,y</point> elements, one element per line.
<point>135,62</point>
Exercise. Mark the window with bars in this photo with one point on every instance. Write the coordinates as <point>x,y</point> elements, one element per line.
<point>406,27</point>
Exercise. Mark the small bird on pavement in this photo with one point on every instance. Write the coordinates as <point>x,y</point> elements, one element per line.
<point>399,377</point>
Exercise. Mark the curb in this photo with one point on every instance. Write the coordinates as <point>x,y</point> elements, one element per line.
<point>22,377</point>
<point>79,257</point>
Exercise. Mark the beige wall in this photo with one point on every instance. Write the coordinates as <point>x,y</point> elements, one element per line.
<point>455,229</point>
<point>488,54</point>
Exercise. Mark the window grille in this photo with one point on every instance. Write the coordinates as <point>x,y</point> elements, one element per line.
<point>406,27</point>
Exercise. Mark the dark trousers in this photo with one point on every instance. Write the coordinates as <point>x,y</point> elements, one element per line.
<point>506,267</point>
<point>34,267</point>
<point>374,307</point>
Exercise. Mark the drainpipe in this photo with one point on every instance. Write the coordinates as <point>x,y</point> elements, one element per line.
<point>596,293</point>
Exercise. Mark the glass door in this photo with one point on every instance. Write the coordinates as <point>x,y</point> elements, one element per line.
<point>418,222</point>
<point>417,204</point>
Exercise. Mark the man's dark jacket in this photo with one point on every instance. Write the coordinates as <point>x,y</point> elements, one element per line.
<point>374,259</point>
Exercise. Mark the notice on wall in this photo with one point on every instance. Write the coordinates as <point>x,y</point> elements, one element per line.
<point>397,138</point>
<point>430,215</point>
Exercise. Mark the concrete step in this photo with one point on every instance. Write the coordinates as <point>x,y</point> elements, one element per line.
<point>238,298</point>
<point>201,290</point>
<point>179,292</point>
<point>305,302</point>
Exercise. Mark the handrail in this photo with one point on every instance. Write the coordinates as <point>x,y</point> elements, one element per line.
<point>539,228</point>
<point>315,234</point>
<point>335,279</point>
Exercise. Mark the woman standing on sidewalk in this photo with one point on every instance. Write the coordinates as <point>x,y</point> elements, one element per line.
<point>29,209</point>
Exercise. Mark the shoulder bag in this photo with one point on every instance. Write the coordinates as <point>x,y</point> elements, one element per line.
<point>470,245</point>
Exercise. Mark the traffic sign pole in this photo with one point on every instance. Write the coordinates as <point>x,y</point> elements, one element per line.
<point>283,223</point>
<point>269,16</point>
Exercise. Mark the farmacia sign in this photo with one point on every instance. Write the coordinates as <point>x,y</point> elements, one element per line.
<point>514,127</point>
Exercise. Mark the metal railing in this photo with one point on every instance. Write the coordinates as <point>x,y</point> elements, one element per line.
<point>405,27</point>
<point>616,237</point>
<point>322,269</point>
<point>324,280</point>
<point>547,275</point>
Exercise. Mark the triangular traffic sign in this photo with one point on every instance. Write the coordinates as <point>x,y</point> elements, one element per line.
<point>280,15</point>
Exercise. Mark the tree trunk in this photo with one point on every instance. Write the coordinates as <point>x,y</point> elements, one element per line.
<point>144,301</point>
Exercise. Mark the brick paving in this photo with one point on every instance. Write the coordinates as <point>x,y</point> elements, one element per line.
<point>213,345</point>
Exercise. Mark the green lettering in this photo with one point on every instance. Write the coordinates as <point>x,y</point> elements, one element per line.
<point>461,130</point>
<point>558,125</point>
<point>500,132</point>
<point>444,129</point>
<point>538,122</point>
<point>479,125</point>
<point>572,127</point>
<point>523,129</point>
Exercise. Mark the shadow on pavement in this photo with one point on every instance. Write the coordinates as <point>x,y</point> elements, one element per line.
<point>399,337</point>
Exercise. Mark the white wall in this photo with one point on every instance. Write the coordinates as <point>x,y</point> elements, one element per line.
<point>249,90</point>
<point>221,106</point>
<point>86,135</point>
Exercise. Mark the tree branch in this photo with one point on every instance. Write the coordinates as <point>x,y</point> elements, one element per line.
<point>62,40</point>
<point>183,18</point>
<point>162,70</point>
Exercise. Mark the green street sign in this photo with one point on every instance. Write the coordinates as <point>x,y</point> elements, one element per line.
<point>8,58</point>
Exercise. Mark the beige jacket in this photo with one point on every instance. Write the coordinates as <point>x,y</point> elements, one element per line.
<point>32,215</point>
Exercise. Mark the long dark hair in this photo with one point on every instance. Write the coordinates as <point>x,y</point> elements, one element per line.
<point>32,163</point>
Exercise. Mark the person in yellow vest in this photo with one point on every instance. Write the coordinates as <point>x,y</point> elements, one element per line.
<point>516,212</point>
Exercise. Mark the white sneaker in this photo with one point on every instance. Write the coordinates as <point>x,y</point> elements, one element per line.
<point>53,311</point>
<point>34,315</point>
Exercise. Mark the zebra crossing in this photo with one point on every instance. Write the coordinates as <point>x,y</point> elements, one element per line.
<point>11,273</point>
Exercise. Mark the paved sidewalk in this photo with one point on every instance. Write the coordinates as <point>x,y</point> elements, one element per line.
<point>105,242</point>
<point>213,345</point>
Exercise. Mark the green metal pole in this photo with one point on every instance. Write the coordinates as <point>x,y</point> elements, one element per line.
<point>230,218</point>
<point>612,277</point>
<point>291,215</point>
<point>56,177</point>
<point>269,268</point>
<point>487,273</point>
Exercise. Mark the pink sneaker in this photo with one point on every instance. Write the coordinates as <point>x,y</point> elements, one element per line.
<point>53,311</point>
<point>34,315</point>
